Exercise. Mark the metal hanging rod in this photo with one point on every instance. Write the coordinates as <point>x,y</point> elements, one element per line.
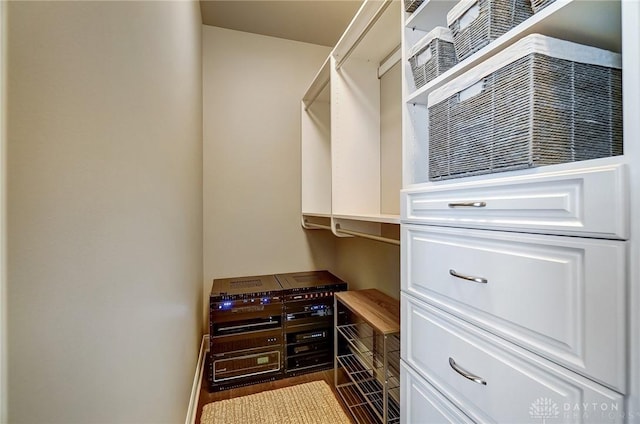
<point>311,225</point>
<point>388,62</point>
<point>369,236</point>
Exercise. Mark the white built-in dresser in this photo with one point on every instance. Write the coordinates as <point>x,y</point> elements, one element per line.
<point>520,290</point>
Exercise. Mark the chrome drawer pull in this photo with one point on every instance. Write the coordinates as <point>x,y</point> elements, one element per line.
<point>467,204</point>
<point>466,374</point>
<point>468,277</point>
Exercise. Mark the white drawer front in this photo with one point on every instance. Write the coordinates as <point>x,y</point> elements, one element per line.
<point>589,202</point>
<point>562,297</point>
<point>422,404</point>
<point>520,386</point>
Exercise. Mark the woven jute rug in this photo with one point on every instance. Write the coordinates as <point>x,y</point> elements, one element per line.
<point>307,403</point>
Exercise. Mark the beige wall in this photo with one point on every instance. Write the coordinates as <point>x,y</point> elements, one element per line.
<point>104,210</point>
<point>369,264</point>
<point>252,90</point>
<point>3,227</point>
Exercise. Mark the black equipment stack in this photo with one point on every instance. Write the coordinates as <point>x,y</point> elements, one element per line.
<point>266,327</point>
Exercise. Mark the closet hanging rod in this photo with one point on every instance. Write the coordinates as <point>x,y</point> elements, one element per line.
<point>388,62</point>
<point>311,225</point>
<point>369,236</point>
<point>362,34</point>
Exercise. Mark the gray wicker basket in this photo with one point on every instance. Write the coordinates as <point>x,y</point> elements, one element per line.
<point>536,110</point>
<point>476,23</point>
<point>538,5</point>
<point>411,5</point>
<point>432,55</point>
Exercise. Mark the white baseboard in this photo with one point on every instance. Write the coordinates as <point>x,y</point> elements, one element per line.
<point>197,382</point>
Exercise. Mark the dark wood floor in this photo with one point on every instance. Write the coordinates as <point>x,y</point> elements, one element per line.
<point>206,397</point>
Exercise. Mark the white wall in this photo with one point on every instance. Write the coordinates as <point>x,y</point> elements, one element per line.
<point>253,85</point>
<point>104,210</point>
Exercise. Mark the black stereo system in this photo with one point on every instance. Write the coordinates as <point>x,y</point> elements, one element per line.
<point>266,327</point>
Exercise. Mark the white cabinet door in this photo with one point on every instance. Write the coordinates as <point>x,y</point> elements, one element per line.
<point>561,297</point>
<point>493,380</point>
<point>423,403</point>
<point>586,202</point>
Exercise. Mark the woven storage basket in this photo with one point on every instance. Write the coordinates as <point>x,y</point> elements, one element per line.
<point>541,101</point>
<point>432,55</point>
<point>411,5</point>
<point>476,23</point>
<point>538,5</point>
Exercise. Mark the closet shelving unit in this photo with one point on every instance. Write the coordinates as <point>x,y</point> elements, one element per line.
<point>522,203</point>
<point>316,151</point>
<point>367,361</point>
<point>594,23</point>
<point>351,130</point>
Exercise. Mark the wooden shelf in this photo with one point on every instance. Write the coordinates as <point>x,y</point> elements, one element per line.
<point>380,311</point>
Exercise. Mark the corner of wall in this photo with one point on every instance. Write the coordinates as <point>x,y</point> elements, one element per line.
<point>366,264</point>
<point>3,279</point>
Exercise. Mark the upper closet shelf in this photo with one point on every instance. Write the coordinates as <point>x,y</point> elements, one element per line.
<point>593,23</point>
<point>373,34</point>
<point>429,15</point>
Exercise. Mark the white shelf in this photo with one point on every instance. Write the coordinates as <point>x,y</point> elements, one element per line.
<point>430,14</point>
<point>318,88</point>
<point>316,215</point>
<point>382,219</point>
<point>595,23</point>
<point>557,169</point>
<point>372,35</point>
